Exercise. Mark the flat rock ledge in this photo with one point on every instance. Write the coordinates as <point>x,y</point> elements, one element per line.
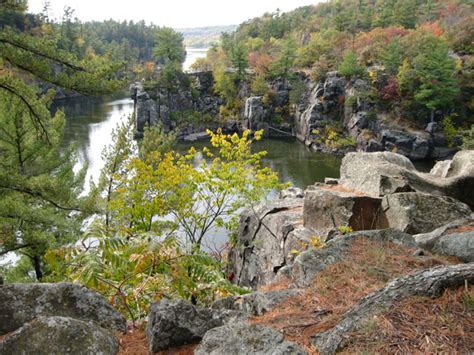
<point>244,339</point>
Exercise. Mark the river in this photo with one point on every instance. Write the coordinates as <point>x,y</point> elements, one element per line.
<point>90,123</point>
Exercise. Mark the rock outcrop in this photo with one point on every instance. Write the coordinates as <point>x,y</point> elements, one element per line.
<point>244,338</point>
<point>22,303</point>
<point>260,249</point>
<point>300,108</point>
<point>174,323</point>
<point>60,335</point>
<point>382,173</point>
<point>415,212</point>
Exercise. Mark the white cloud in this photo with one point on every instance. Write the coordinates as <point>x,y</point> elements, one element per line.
<point>174,13</point>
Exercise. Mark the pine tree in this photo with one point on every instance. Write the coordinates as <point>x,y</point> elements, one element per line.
<point>39,203</point>
<point>350,65</point>
<point>436,71</point>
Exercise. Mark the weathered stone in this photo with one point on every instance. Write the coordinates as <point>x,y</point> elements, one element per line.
<point>441,168</point>
<point>255,303</point>
<point>59,335</point>
<point>291,192</point>
<point>383,173</point>
<point>259,249</point>
<point>460,245</point>
<point>428,240</point>
<point>326,209</point>
<point>312,261</point>
<point>243,339</point>
<point>21,303</point>
<point>176,322</point>
<point>414,212</point>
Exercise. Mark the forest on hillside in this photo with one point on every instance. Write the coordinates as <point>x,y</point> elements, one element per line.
<point>417,55</point>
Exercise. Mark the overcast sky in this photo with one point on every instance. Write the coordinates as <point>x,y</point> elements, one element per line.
<point>173,13</point>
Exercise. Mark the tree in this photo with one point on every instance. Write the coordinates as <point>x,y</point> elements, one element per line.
<point>24,56</point>
<point>392,56</point>
<point>350,66</point>
<point>436,73</point>
<point>286,59</point>
<point>238,58</point>
<point>39,192</point>
<point>169,46</point>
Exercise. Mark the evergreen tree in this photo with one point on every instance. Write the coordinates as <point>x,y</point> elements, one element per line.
<point>169,46</point>
<point>39,203</point>
<point>436,73</point>
<point>286,59</point>
<point>350,66</point>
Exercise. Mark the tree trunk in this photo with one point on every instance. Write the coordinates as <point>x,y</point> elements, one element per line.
<point>430,282</point>
<point>37,266</point>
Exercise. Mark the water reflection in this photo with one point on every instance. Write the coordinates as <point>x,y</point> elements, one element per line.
<point>89,126</point>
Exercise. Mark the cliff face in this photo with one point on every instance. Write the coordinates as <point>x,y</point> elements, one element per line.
<point>335,115</point>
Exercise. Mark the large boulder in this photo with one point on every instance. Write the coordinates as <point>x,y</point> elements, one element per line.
<point>258,252</point>
<point>21,303</point>
<point>176,322</point>
<point>382,173</point>
<point>460,245</point>
<point>326,209</point>
<point>59,335</point>
<point>414,212</point>
<point>243,339</point>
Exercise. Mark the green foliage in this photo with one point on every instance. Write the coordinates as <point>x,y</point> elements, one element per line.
<point>283,64</point>
<point>468,138</point>
<point>392,56</point>
<point>350,66</point>
<point>450,131</point>
<point>298,88</point>
<point>39,203</point>
<point>132,272</point>
<point>169,46</point>
<point>259,85</point>
<point>435,70</point>
<point>333,138</point>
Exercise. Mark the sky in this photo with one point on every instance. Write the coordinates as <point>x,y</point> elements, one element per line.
<point>172,13</point>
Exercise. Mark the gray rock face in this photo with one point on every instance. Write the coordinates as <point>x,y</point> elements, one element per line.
<point>59,335</point>
<point>243,339</point>
<point>254,112</point>
<point>260,245</point>
<point>460,245</point>
<point>21,303</point>
<point>309,263</point>
<point>453,239</point>
<point>428,240</point>
<point>325,210</point>
<point>382,173</point>
<point>256,303</point>
<point>414,212</point>
<point>177,322</point>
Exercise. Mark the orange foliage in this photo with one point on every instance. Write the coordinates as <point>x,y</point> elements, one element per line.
<point>433,28</point>
<point>260,62</point>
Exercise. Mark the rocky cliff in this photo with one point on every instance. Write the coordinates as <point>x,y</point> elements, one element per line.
<point>385,253</point>
<point>335,115</point>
